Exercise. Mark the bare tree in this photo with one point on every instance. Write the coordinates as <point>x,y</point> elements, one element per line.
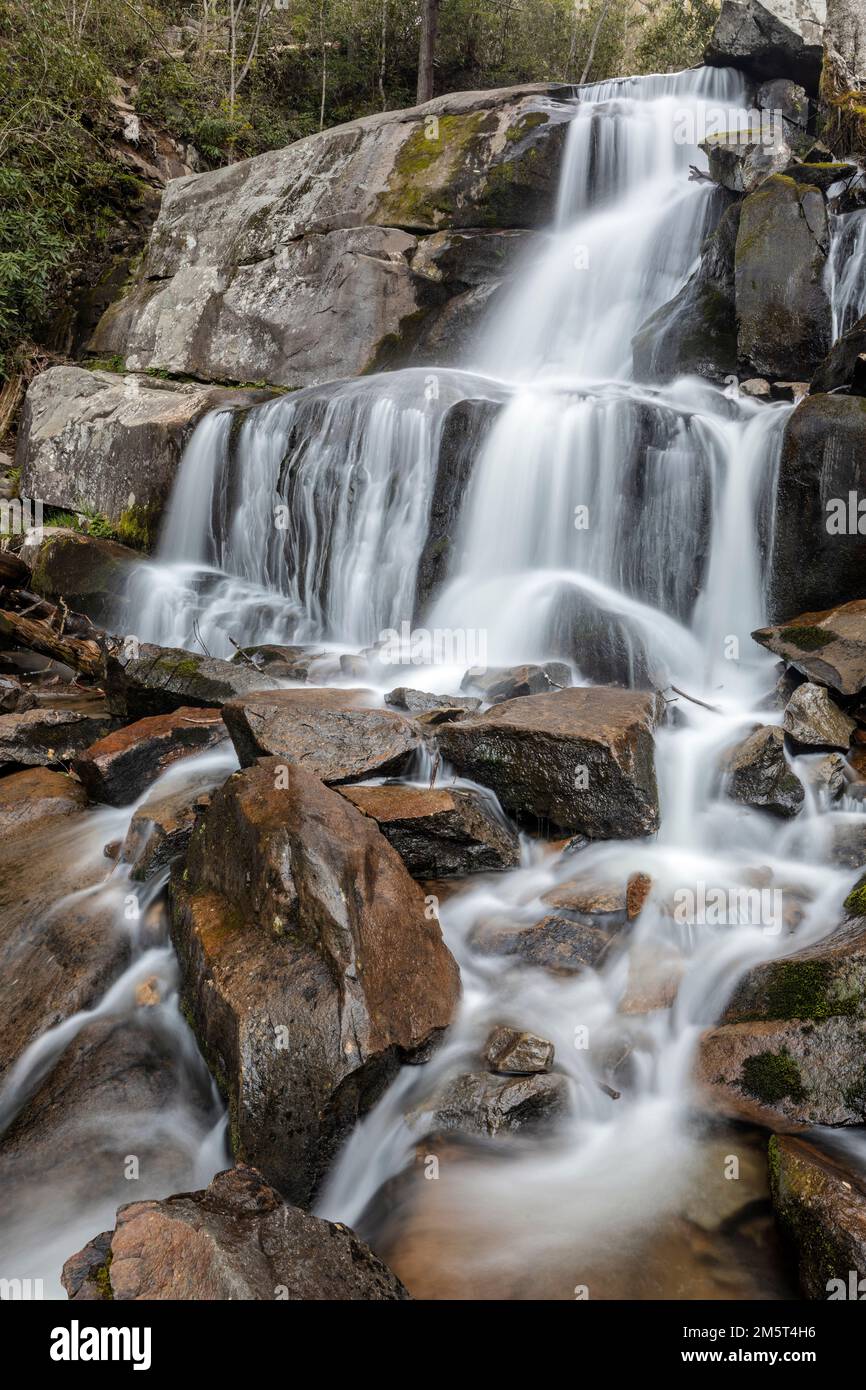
<point>595,33</point>
<point>384,56</point>
<point>253,12</point>
<point>427,51</point>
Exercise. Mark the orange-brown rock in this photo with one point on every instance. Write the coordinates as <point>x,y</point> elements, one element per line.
<point>118,768</point>
<point>440,832</point>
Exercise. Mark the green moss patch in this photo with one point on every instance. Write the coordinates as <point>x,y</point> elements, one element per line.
<point>771,1077</point>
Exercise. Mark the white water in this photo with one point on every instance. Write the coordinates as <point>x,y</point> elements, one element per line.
<point>846,271</point>
<point>677,484</point>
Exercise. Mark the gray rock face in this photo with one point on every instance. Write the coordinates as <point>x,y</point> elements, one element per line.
<point>328,731</point>
<point>581,758</point>
<point>156,680</point>
<point>237,1239</point>
<point>109,443</point>
<point>819,553</point>
<point>310,968</point>
<point>696,331</point>
<point>246,264</point>
<point>845,364</point>
<point>48,737</point>
<point>783,311</point>
<point>757,774</point>
<point>779,38</point>
<point>820,1204</point>
<point>478,1103</point>
<point>811,718</point>
<point>439,833</point>
<point>741,165</point>
<point>495,684</point>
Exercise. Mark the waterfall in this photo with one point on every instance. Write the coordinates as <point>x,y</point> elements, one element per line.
<point>846,271</point>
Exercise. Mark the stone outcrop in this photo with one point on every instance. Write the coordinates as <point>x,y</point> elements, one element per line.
<point>329,732</point>
<point>776,38</point>
<point>247,263</point>
<point>439,833</point>
<point>142,679</point>
<point>829,648</point>
<point>478,1103</point>
<point>813,720</point>
<point>508,1052</point>
<point>310,967</point>
<point>818,551</point>
<point>44,737</point>
<point>783,312</point>
<point>844,367</point>
<point>237,1239</point>
<point>89,573</point>
<point>118,768</point>
<point>37,795</point>
<point>756,773</point>
<point>820,1204</point>
<point>110,443</point>
<point>582,758</point>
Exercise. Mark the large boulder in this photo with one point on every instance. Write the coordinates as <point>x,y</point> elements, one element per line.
<point>696,331</point>
<point>776,38</point>
<point>757,774</point>
<point>88,572</point>
<point>818,549</point>
<point>845,364</point>
<point>311,969</point>
<point>118,768</point>
<point>582,758</point>
<point>246,262</point>
<point>813,720</point>
<point>142,679</point>
<point>820,1204</point>
<point>236,1239</point>
<point>783,311</point>
<point>829,648</point>
<point>439,833</point>
<point>44,737</point>
<point>328,731</point>
<point>95,441</point>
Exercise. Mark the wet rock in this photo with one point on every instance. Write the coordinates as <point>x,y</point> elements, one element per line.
<point>741,164</point>
<point>277,246</point>
<point>15,698</point>
<point>783,313</point>
<point>811,718</point>
<point>417,702</point>
<point>509,1052</point>
<point>478,1103</point>
<point>110,444</point>
<point>498,683</point>
<point>310,968</point>
<point>35,796</point>
<point>464,431</point>
<point>88,572</point>
<point>439,833</point>
<point>697,330</point>
<point>328,731</point>
<point>820,1204</point>
<point>47,737</point>
<point>236,1239</point>
<point>637,891</point>
<point>828,776</point>
<point>821,176</point>
<point>119,767</point>
<point>160,830</point>
<point>818,552</point>
<point>780,1071</point>
<point>821,981</point>
<point>582,758</point>
<point>829,648</point>
<point>770,38</point>
<point>756,774</point>
<point>148,680</point>
<point>794,391</point>
<point>844,367</point>
<point>654,976</point>
<point>557,943</point>
<point>757,388</point>
<point>848,843</point>
<point>597,904</point>
<point>284,663</point>
<point>787,98</point>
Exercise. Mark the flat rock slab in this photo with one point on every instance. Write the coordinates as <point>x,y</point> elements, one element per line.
<point>47,737</point>
<point>820,1204</point>
<point>237,1239</point>
<point>329,732</point>
<point>829,647</point>
<point>310,968</point>
<point>436,833</point>
<point>36,796</point>
<point>156,680</point>
<point>582,758</point>
<point>118,768</point>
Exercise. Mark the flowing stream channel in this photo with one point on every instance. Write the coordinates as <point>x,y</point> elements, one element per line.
<point>592,498</point>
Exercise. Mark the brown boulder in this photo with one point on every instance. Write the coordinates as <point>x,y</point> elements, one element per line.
<point>310,968</point>
<point>118,768</point>
<point>236,1239</point>
<point>481,1104</point>
<point>828,647</point>
<point>581,758</point>
<point>509,1052</point>
<point>557,943</point>
<point>329,732</point>
<point>820,1204</point>
<point>161,829</point>
<point>38,794</point>
<point>439,833</point>
<point>47,737</point>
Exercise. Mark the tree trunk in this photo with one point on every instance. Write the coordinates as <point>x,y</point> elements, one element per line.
<point>427,52</point>
<point>843,77</point>
<point>38,636</point>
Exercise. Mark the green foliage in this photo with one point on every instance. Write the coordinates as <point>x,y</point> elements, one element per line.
<point>676,34</point>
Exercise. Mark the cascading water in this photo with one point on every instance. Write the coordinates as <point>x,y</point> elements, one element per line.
<point>595,505</point>
<point>846,271</point>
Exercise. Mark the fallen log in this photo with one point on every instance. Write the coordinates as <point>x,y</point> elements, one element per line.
<point>82,654</point>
